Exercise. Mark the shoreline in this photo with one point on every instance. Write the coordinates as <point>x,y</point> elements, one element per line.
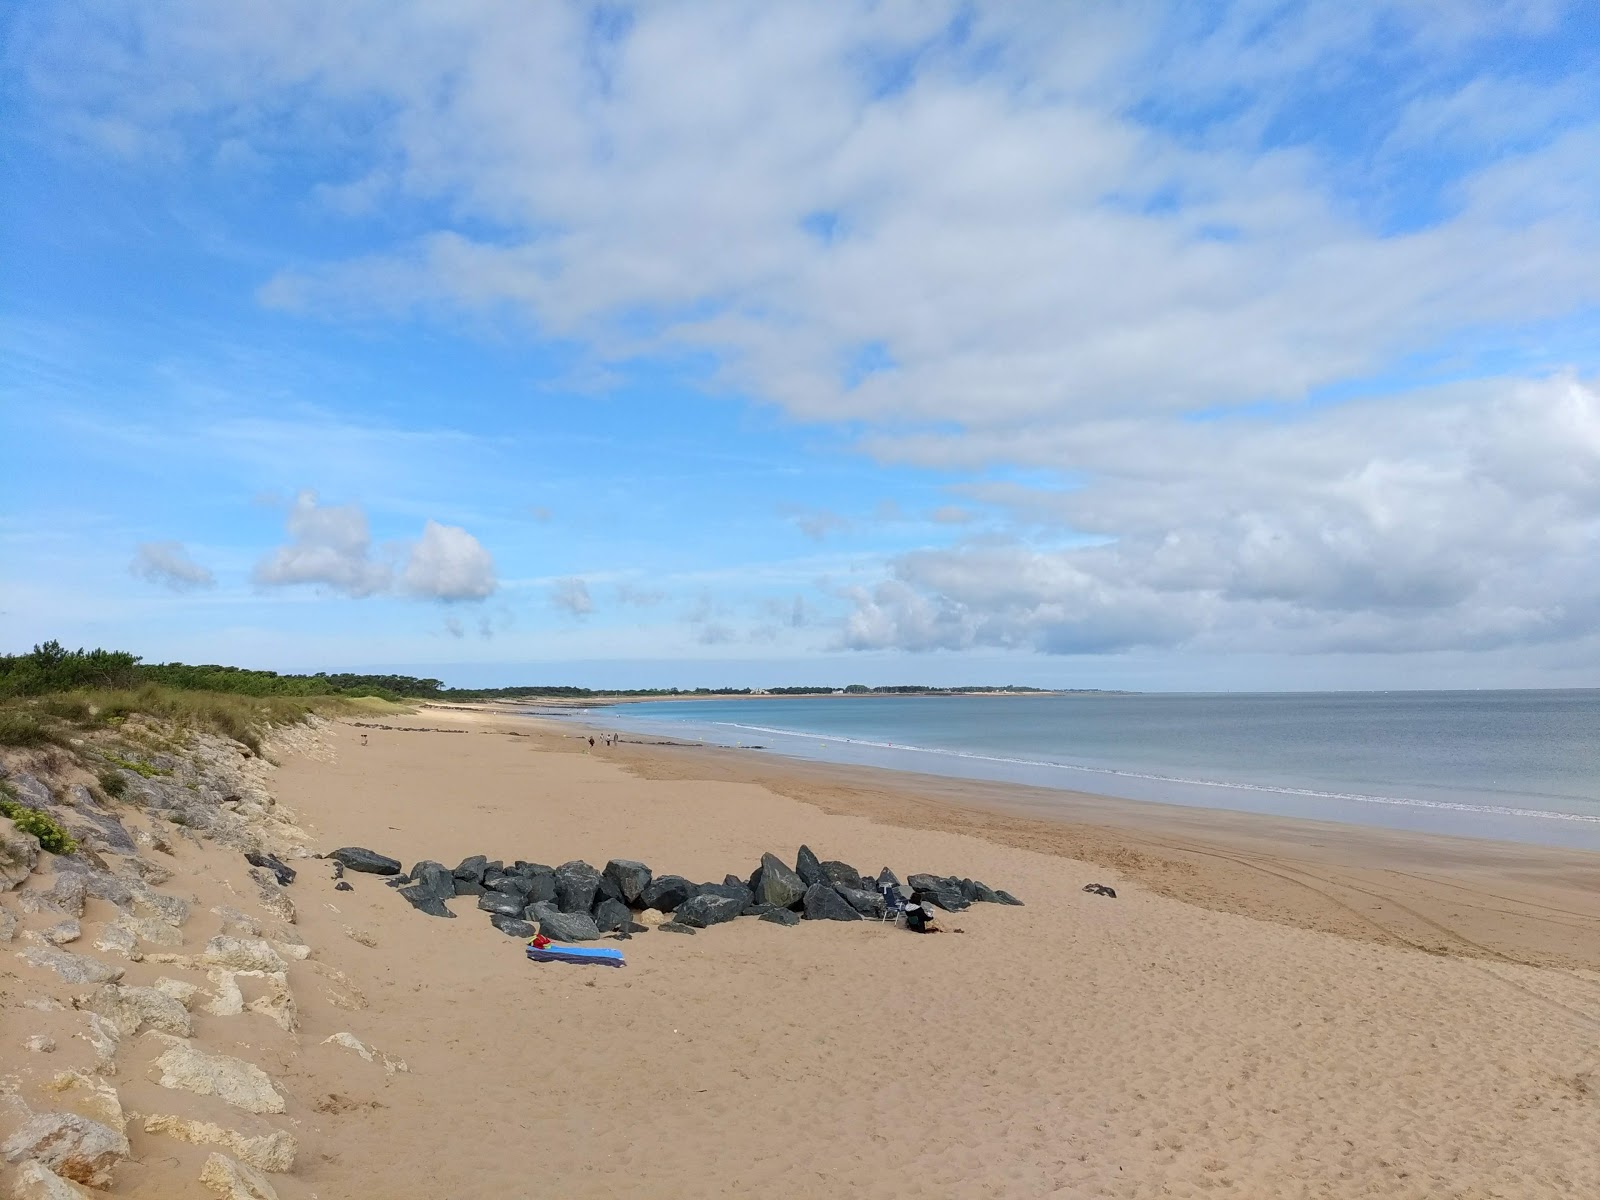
<point>1472,897</point>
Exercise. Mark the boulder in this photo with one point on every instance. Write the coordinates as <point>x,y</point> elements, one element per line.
<point>8,926</point>
<point>730,891</point>
<point>35,1181</point>
<point>630,879</point>
<point>822,903</point>
<point>708,909</point>
<point>232,1080</point>
<point>758,910</point>
<point>424,899</point>
<point>887,878</point>
<point>91,825</point>
<point>280,870</point>
<point>513,926</point>
<point>64,933</point>
<point>576,885</point>
<point>234,1180</point>
<point>734,881</point>
<point>19,853</point>
<point>807,867</point>
<point>356,858</point>
<point>781,916</point>
<point>343,886</point>
<point>129,1008</point>
<point>944,892</point>
<point>468,887</point>
<point>471,868</point>
<point>844,874</point>
<point>513,885</point>
<point>507,904</point>
<point>562,926</point>
<point>675,927</point>
<point>612,914</point>
<point>242,954</point>
<point>434,878</point>
<point>1002,897</point>
<point>270,1152</point>
<point>71,1146</point>
<point>776,885</point>
<point>868,904</point>
<point>65,894</point>
<point>982,893</point>
<point>74,968</point>
<point>665,892</point>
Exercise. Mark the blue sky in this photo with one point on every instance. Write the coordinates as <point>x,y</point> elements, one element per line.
<point>1158,346</point>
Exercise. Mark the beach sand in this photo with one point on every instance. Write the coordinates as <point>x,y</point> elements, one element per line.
<point>1416,1017</point>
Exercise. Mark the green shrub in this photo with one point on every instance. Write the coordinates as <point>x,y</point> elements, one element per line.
<point>137,766</point>
<point>112,784</point>
<point>19,727</point>
<point>41,824</point>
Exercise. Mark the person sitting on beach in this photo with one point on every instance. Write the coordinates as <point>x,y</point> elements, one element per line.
<point>919,917</point>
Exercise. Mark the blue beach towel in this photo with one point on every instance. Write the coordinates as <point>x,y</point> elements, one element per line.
<point>576,954</point>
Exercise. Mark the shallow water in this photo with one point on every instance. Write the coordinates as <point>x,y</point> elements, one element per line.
<point>1522,766</point>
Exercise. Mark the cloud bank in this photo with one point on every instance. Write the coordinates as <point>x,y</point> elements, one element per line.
<point>169,565</point>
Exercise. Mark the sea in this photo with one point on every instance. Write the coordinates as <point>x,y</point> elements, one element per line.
<point>1510,765</point>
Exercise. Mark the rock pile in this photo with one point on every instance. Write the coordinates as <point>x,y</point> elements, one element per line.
<point>575,902</point>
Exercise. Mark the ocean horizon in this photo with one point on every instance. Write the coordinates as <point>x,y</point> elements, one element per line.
<point>1509,765</point>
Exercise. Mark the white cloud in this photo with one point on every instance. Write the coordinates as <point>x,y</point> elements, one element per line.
<point>951,514</point>
<point>635,596</point>
<point>169,564</point>
<point>572,596</point>
<point>818,523</point>
<point>448,563</point>
<point>331,546</point>
<point>1464,519</point>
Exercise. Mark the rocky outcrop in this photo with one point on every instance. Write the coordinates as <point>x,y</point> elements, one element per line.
<point>129,1008</point>
<point>73,1147</point>
<point>74,968</point>
<point>19,853</point>
<point>358,858</point>
<point>234,1180</point>
<point>269,1152</point>
<point>232,1080</point>
<point>35,1181</point>
<point>242,954</point>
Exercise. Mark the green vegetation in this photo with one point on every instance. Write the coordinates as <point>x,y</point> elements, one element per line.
<point>21,728</point>
<point>41,824</point>
<point>112,784</point>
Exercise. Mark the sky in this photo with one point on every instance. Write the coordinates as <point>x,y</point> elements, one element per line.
<point>1167,346</point>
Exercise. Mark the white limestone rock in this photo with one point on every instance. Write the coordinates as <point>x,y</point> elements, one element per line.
<point>35,1181</point>
<point>74,968</point>
<point>128,1008</point>
<point>234,1081</point>
<point>234,1180</point>
<point>269,1152</point>
<point>74,1147</point>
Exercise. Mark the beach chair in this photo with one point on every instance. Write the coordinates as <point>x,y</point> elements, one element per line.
<point>894,903</point>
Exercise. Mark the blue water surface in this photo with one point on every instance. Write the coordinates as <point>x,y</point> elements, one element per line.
<point>1523,766</point>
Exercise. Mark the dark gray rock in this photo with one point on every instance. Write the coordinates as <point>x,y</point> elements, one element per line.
<point>781,916</point>
<point>270,862</point>
<point>939,890</point>
<point>807,867</point>
<point>844,874</point>
<point>472,868</point>
<point>822,903</point>
<point>492,875</point>
<point>982,893</point>
<point>338,870</point>
<point>675,927</point>
<point>759,910</point>
<point>731,891</point>
<point>612,914</point>
<point>357,858</point>
<point>513,926</point>
<point>541,887</point>
<point>666,892</point>
<point>515,885</point>
<point>434,878</point>
<point>396,881</point>
<point>505,903</point>
<point>576,885</point>
<point>734,881</point>
<point>522,867</point>
<point>776,885</point>
<point>707,909</point>
<point>1007,898</point>
<point>91,824</point>
<point>562,926</point>
<point>887,878</point>
<point>342,886</point>
<point>468,887</point>
<point>868,904</point>
<point>425,899</point>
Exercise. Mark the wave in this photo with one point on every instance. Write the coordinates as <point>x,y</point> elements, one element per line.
<point>1501,810</point>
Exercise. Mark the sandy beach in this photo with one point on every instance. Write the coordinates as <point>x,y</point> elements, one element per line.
<point>1266,1008</point>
